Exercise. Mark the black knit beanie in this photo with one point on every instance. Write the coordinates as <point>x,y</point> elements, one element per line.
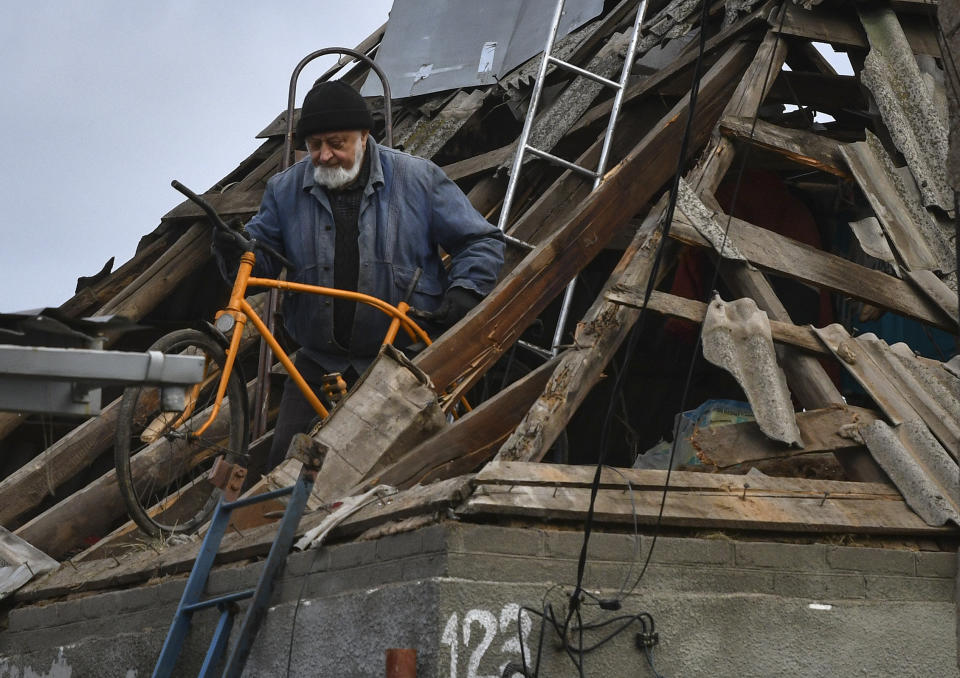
<point>332,106</point>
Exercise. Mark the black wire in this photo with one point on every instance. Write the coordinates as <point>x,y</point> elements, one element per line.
<point>635,332</point>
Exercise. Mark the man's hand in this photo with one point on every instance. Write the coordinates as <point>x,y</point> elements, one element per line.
<point>227,251</point>
<point>456,303</point>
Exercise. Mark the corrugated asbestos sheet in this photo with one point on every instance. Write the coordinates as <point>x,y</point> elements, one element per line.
<point>922,400</point>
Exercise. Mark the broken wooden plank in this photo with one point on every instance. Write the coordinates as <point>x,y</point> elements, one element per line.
<point>156,560</point>
<point>478,340</point>
<point>802,147</point>
<point>519,473</point>
<point>824,24</point>
<point>797,260</point>
<point>604,328</point>
<point>228,204</point>
<point>392,408</point>
<point>469,441</point>
<point>824,430</point>
<point>694,311</point>
<point>937,291</point>
<point>796,512</point>
<point>95,509</point>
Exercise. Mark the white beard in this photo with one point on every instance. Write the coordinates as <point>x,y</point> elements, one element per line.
<point>338,177</point>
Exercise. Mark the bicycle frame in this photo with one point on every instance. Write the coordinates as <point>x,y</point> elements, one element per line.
<point>241,311</point>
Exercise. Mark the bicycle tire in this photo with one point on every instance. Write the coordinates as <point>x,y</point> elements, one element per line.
<point>172,468</point>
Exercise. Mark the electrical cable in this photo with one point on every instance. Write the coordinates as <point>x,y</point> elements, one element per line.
<point>576,598</point>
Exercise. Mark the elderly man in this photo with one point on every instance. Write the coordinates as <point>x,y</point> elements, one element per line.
<point>358,216</point>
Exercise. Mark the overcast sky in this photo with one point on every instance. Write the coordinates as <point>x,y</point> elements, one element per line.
<point>105,101</point>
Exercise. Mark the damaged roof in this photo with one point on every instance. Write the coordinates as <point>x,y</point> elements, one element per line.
<point>815,203</point>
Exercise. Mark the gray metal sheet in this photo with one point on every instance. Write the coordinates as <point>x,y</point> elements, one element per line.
<point>433,45</point>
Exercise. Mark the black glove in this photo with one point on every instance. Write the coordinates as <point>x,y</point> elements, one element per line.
<point>227,251</point>
<point>456,303</point>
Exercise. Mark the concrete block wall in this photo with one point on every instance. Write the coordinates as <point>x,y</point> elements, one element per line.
<point>455,592</point>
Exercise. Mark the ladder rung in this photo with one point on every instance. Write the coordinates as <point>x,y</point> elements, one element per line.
<point>256,498</point>
<point>518,242</point>
<point>539,350</point>
<point>560,161</point>
<point>229,598</point>
<point>585,73</point>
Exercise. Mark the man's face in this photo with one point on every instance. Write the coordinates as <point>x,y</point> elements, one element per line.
<point>336,156</point>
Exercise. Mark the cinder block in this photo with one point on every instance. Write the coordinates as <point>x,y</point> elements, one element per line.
<point>879,561</point>
<point>691,551</point>
<point>937,564</point>
<point>31,617</point>
<point>102,605</point>
<point>434,538</point>
<point>352,554</point>
<point>171,591</point>
<point>603,545</point>
<point>909,588</point>
<point>820,586</point>
<point>232,579</point>
<point>797,557</point>
<point>306,562</point>
<point>395,546</point>
<point>71,611</point>
<point>723,580</point>
<point>423,566</point>
<point>505,568</point>
<point>496,539</point>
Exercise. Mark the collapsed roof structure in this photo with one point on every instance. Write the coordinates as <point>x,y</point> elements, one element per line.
<point>816,203</point>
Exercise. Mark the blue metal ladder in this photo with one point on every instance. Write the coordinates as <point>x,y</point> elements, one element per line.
<point>311,454</point>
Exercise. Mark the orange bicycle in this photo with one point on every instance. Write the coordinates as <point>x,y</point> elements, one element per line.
<point>165,444</point>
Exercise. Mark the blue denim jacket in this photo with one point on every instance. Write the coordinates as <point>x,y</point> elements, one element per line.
<point>409,208</point>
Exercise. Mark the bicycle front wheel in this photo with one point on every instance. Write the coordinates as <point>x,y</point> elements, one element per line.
<point>162,464</point>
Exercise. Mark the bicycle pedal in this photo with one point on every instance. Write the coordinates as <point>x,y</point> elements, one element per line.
<point>334,386</point>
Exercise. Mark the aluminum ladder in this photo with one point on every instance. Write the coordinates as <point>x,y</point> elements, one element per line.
<point>307,451</point>
<point>523,147</point>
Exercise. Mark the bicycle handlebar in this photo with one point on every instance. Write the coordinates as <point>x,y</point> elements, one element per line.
<point>248,244</point>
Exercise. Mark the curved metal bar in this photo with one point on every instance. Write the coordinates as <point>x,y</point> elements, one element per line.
<point>258,426</point>
<point>292,96</point>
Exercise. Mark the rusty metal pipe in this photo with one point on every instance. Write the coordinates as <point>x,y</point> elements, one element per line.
<point>401,663</point>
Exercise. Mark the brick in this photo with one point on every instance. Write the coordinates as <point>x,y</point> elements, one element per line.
<point>932,564</point>
<point>878,561</point>
<point>802,557</point>
<point>912,588</point>
<point>820,586</point>
<point>691,551</point>
<point>495,539</point>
